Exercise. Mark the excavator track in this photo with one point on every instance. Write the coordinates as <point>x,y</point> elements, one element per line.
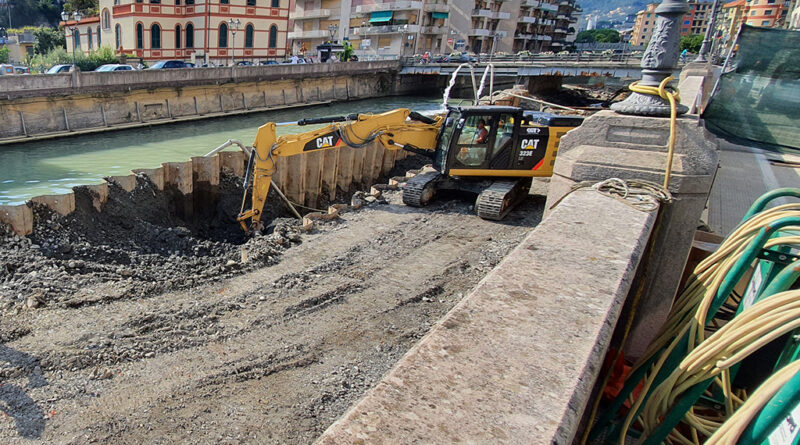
<point>498,199</point>
<point>420,189</point>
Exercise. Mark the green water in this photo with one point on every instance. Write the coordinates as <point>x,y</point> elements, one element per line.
<point>57,165</point>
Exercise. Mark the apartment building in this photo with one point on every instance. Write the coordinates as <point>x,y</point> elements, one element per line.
<point>216,31</point>
<point>407,27</point>
<point>375,29</point>
<point>694,22</point>
<point>766,13</point>
<point>644,25</point>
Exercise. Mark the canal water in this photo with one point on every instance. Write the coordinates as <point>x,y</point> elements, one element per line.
<point>57,165</point>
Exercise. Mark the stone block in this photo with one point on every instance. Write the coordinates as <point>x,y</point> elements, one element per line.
<point>18,217</point>
<point>610,145</point>
<point>63,204</point>
<point>515,361</point>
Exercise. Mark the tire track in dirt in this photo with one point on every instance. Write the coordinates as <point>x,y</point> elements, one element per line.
<point>273,356</point>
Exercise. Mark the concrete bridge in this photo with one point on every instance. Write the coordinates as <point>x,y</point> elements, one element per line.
<point>584,68</point>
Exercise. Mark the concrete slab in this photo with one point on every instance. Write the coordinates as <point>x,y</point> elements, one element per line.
<point>515,361</point>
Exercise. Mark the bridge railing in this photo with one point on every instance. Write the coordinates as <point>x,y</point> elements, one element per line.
<point>633,57</point>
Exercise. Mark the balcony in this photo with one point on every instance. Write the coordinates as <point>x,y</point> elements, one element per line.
<point>486,33</point>
<point>545,38</point>
<point>548,7</point>
<point>387,29</point>
<point>311,14</point>
<point>491,14</point>
<point>524,36</point>
<point>564,3</point>
<point>436,7</point>
<point>560,31</point>
<point>527,19</point>
<point>434,30</point>
<point>561,17</point>
<point>312,34</point>
<point>390,6</point>
<point>530,3</point>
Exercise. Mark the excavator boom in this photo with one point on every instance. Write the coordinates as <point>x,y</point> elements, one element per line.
<point>393,129</point>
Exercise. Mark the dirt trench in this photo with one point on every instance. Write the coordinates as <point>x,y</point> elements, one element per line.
<point>205,351</point>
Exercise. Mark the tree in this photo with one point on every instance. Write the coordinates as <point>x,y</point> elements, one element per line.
<point>598,35</point>
<point>48,39</point>
<point>89,7</point>
<point>4,54</point>
<point>691,43</point>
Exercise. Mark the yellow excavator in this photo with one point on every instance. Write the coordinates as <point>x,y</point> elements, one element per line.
<point>492,151</point>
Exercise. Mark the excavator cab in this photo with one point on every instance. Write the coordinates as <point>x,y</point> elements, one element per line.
<point>492,151</point>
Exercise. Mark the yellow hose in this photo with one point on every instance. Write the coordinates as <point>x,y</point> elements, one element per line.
<point>673,98</point>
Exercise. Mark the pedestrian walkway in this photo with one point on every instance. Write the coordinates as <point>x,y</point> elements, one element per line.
<point>746,173</point>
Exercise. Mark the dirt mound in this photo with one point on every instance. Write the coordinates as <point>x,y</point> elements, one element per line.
<point>144,242</point>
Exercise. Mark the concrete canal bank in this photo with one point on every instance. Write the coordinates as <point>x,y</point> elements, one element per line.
<point>54,105</point>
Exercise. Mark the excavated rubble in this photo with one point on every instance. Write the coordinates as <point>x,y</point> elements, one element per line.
<point>135,247</point>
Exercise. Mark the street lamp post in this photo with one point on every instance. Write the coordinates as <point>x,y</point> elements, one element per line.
<point>332,28</point>
<point>233,26</point>
<point>65,17</point>
<point>701,56</point>
<point>658,62</point>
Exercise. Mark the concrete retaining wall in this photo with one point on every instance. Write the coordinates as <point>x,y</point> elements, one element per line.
<point>69,84</point>
<point>131,105</point>
<point>303,178</point>
<point>515,361</point>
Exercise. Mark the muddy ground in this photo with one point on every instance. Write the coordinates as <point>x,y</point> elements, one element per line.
<point>136,326</point>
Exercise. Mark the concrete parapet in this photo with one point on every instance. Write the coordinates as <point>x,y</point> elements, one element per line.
<point>156,175</point>
<point>63,204</point>
<point>18,217</point>
<point>515,361</point>
<point>610,145</point>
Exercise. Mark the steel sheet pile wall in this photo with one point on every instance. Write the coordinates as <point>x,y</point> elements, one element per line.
<point>303,178</point>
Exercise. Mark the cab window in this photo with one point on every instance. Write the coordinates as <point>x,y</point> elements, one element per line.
<point>473,142</point>
<point>505,132</point>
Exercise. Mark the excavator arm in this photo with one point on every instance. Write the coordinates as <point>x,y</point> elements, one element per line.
<point>393,129</point>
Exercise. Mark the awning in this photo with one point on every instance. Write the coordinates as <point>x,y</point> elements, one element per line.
<point>380,17</point>
<point>440,15</point>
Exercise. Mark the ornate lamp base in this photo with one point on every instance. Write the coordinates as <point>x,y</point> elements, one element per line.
<point>646,105</point>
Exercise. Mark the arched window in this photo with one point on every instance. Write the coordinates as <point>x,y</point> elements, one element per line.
<point>139,36</point>
<point>223,36</point>
<point>106,19</point>
<point>224,2</point>
<point>248,36</point>
<point>190,36</point>
<point>177,37</point>
<point>276,3</point>
<point>89,38</point>
<point>118,35</point>
<point>76,39</point>
<point>99,40</point>
<point>273,36</point>
<point>155,36</point>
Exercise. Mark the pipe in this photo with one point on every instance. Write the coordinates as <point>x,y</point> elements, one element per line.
<point>227,144</point>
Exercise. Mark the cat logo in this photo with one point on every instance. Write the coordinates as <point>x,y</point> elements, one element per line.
<point>325,142</point>
<point>530,144</point>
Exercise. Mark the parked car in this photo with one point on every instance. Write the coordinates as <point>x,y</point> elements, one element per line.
<point>55,69</point>
<point>113,67</point>
<point>168,64</point>
<point>244,63</point>
<point>190,65</point>
<point>22,70</point>
<point>268,62</point>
